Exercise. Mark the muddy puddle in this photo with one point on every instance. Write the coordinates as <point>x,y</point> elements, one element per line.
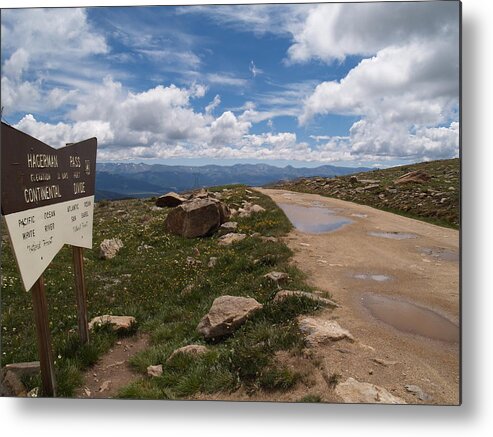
<point>392,235</point>
<point>313,219</point>
<point>440,253</point>
<point>370,277</point>
<point>410,318</point>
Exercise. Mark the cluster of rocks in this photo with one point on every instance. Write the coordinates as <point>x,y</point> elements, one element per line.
<point>202,213</point>
<point>429,192</point>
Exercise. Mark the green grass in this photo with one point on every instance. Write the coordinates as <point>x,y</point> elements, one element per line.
<point>149,284</point>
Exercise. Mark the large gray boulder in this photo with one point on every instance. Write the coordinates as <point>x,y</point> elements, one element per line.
<point>196,218</point>
<point>170,199</point>
<point>226,314</point>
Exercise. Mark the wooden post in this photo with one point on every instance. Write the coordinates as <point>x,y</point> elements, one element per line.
<point>44,338</point>
<point>80,294</point>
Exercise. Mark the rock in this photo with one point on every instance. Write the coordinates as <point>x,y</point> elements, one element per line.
<point>355,392</point>
<point>257,208</point>
<point>322,331</point>
<point>11,385</point>
<point>418,391</point>
<point>24,369</point>
<point>212,262</point>
<point>192,262</point>
<point>144,247</point>
<point>269,239</point>
<point>226,314</point>
<point>155,371</point>
<point>230,238</point>
<point>277,277</point>
<point>187,290</point>
<point>353,180</point>
<point>109,248</point>
<point>369,181</point>
<point>34,393</point>
<point>283,294</point>
<point>169,200</point>
<point>385,363</point>
<point>224,211</point>
<point>248,209</point>
<point>191,349</point>
<point>200,194</point>
<point>371,187</point>
<point>413,177</point>
<point>229,226</point>
<point>195,218</point>
<point>118,323</point>
<point>105,386</point>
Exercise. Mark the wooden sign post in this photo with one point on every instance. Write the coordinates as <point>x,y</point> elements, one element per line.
<point>47,201</point>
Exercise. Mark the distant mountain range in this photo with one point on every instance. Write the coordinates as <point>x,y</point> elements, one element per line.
<point>122,180</point>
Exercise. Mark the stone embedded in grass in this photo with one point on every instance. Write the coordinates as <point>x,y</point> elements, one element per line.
<point>322,331</point>
<point>212,262</point>
<point>248,209</point>
<point>414,177</point>
<point>257,208</point>
<point>170,199</point>
<point>269,239</point>
<point>155,371</point>
<point>109,248</point>
<point>354,392</point>
<point>226,314</point>
<point>283,294</point>
<point>277,277</point>
<point>230,238</point>
<point>228,227</point>
<point>192,262</point>
<point>118,323</point>
<point>194,350</point>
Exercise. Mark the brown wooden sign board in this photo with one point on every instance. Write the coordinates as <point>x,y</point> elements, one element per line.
<point>47,199</point>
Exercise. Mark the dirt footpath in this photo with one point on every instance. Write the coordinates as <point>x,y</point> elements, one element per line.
<point>367,274</point>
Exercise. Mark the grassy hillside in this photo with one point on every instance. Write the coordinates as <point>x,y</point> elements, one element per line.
<point>152,280</point>
<point>435,201</point>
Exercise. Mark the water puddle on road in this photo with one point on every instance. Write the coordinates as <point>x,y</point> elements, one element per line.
<point>392,235</point>
<point>410,318</point>
<point>313,220</point>
<point>368,277</point>
<point>441,253</point>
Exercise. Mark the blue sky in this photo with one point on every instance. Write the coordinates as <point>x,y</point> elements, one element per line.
<point>346,84</point>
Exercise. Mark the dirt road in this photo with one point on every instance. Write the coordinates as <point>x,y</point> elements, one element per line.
<point>399,297</point>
